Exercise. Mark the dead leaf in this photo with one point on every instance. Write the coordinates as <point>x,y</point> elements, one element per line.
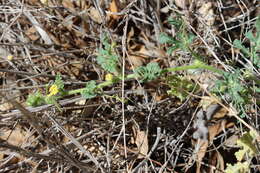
<point>207,13</point>
<point>165,9</point>
<point>82,4</point>
<point>68,22</point>
<point>114,9</point>
<point>203,145</point>
<point>15,137</point>
<point>213,131</point>
<point>206,101</point>
<point>135,61</point>
<point>231,141</point>
<point>6,106</point>
<point>38,27</point>
<point>94,15</point>
<point>217,161</point>
<point>32,33</point>
<point>129,36</point>
<point>141,140</point>
<point>144,51</point>
<point>55,39</point>
<point>68,4</point>
<point>181,3</point>
<point>221,113</point>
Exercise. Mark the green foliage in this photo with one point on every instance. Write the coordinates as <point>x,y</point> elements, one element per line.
<point>180,87</point>
<point>35,99</point>
<point>232,89</point>
<point>246,142</point>
<point>59,83</point>
<point>239,167</point>
<point>108,60</point>
<point>253,51</point>
<point>182,40</point>
<point>177,22</point>
<point>55,90</point>
<point>107,57</point>
<point>150,72</point>
<point>51,99</point>
<point>89,91</point>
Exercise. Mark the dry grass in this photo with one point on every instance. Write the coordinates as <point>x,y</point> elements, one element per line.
<point>133,127</point>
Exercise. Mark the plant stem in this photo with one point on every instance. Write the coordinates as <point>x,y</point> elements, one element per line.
<point>99,86</point>
<point>196,65</point>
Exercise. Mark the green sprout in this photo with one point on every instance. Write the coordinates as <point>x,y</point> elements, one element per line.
<point>253,51</point>
<point>35,99</point>
<point>108,60</point>
<point>149,72</point>
<point>182,40</point>
<point>231,87</point>
<point>107,57</point>
<point>89,91</point>
<point>180,87</point>
<point>57,88</point>
<point>247,147</point>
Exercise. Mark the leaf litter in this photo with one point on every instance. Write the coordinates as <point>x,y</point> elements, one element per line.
<point>184,131</point>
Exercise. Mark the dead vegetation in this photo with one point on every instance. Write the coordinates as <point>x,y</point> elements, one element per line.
<point>133,126</point>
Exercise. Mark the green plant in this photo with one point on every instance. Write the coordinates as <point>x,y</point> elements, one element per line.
<point>232,89</point>
<point>56,90</point>
<point>108,60</point>
<point>150,72</point>
<point>248,147</point>
<point>180,87</point>
<point>182,40</point>
<point>35,99</point>
<point>253,51</point>
<point>107,57</point>
<point>89,91</point>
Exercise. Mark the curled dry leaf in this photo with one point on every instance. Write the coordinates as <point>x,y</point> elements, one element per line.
<point>38,27</point>
<point>114,9</point>
<point>94,15</point>
<point>181,3</point>
<point>207,13</point>
<point>15,137</point>
<point>32,33</point>
<point>217,161</point>
<point>141,140</point>
<point>5,107</point>
<point>202,146</point>
<point>212,111</point>
<point>135,61</point>
<point>68,4</point>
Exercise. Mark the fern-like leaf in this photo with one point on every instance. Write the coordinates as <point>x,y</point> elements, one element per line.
<point>149,72</point>
<point>89,90</point>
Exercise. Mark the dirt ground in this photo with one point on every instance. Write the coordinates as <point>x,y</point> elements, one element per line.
<point>175,122</point>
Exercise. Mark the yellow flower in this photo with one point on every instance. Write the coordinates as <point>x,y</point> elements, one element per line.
<point>10,57</point>
<point>45,2</point>
<point>53,90</point>
<point>109,77</point>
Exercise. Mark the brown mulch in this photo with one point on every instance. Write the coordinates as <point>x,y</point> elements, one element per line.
<point>149,131</point>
